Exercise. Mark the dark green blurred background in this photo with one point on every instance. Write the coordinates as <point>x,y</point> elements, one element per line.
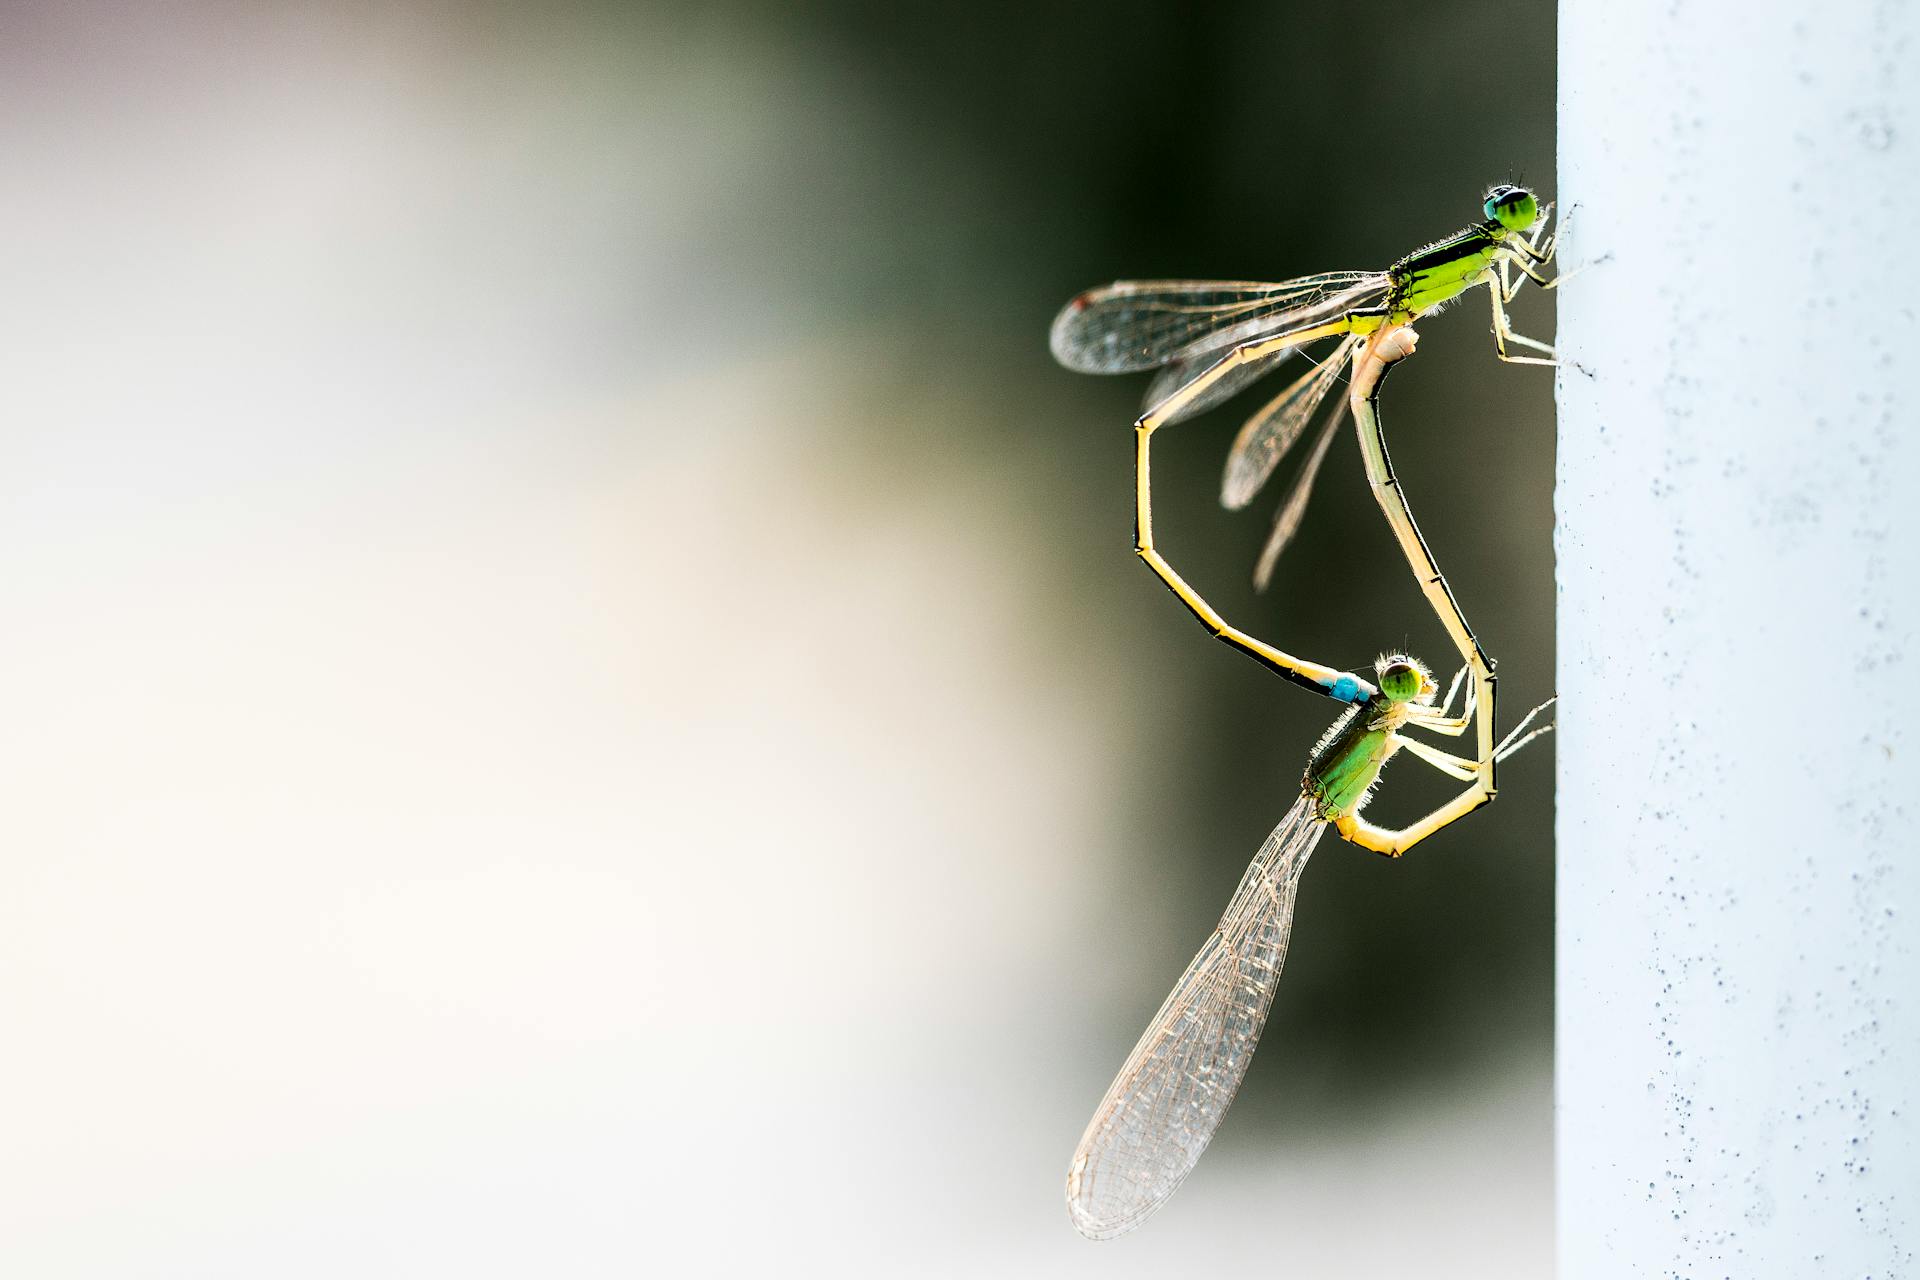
<point>1008,156</point>
<point>1026,152</point>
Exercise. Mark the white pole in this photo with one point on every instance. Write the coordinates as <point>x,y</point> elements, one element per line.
<point>1739,540</point>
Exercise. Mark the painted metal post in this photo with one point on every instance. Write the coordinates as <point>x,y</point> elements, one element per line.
<point>1739,631</point>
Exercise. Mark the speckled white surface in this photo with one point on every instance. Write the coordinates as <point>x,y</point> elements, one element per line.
<point>1738,1074</point>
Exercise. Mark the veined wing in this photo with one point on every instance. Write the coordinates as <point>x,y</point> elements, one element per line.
<point>1141,324</point>
<point>1201,355</point>
<point>1294,509</point>
<point>1268,434</point>
<point>1177,1083</point>
<point>1180,371</point>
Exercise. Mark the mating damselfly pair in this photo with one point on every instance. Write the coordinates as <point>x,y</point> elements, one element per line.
<point>1209,340</point>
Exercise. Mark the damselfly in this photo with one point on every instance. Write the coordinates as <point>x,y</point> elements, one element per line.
<point>1210,339</point>
<point>1175,1087</point>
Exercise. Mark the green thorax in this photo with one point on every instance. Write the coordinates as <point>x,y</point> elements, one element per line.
<point>1347,761</point>
<point>1442,271</point>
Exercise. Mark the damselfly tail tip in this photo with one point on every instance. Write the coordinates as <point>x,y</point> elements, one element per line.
<point>1396,344</point>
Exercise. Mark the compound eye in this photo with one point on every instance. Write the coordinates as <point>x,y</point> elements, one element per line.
<point>1401,680</point>
<point>1512,207</point>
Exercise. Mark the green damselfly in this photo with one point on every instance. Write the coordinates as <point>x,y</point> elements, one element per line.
<point>1210,339</point>
<point>1174,1088</point>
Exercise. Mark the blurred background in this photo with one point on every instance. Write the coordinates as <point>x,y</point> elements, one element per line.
<point>577,699</point>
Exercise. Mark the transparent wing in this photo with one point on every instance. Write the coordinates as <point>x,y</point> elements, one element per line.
<point>1178,372</point>
<point>1141,324</point>
<point>1170,1096</point>
<point>1268,434</point>
<point>1294,509</point>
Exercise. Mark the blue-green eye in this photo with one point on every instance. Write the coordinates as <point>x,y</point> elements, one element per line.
<point>1512,207</point>
<point>1401,679</point>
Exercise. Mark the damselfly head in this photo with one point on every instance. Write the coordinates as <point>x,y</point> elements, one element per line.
<point>1403,679</point>
<point>1512,207</point>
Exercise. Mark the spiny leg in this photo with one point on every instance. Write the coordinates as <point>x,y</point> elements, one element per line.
<point>1529,255</point>
<point>1391,843</point>
<point>1549,282</point>
<point>1446,715</point>
<point>1542,244</point>
<point>1513,741</point>
<point>1509,287</point>
<point>1503,334</point>
<point>1447,726</point>
<point>1539,250</point>
<point>1439,719</point>
<point>1502,290</point>
<point>1540,247</point>
<point>1530,272</point>
<point>1453,766</point>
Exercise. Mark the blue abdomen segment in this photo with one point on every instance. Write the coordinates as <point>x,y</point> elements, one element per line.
<point>1348,688</point>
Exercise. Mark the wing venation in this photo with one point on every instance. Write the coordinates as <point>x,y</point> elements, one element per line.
<point>1176,1085</point>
